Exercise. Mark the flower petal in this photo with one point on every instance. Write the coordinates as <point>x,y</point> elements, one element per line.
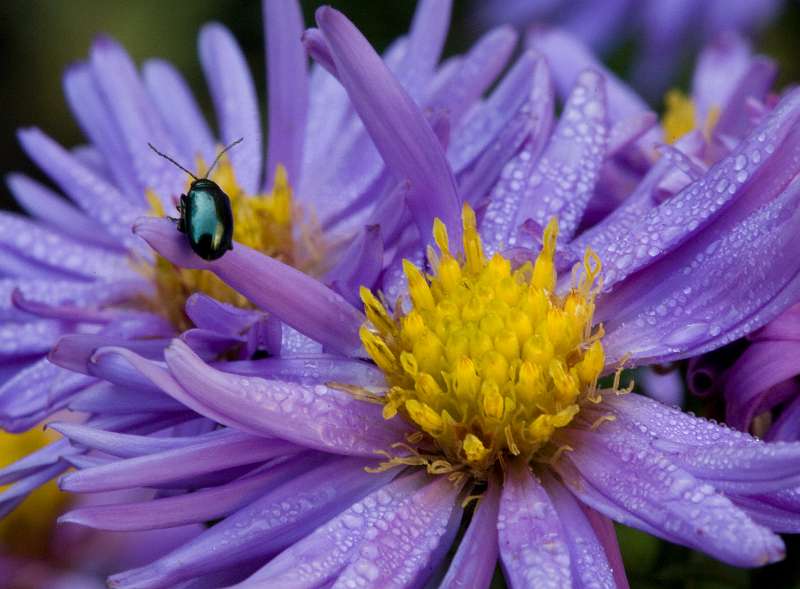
<point>276,520</point>
<point>217,454</point>
<point>532,547</point>
<point>196,507</point>
<point>235,103</point>
<point>95,196</point>
<point>400,132</point>
<point>474,563</point>
<point>287,74</point>
<point>569,167</point>
<point>297,299</point>
<point>180,112</point>
<point>643,488</point>
<point>136,118</point>
<point>317,559</point>
<point>313,416</point>
<point>590,566</point>
<point>762,366</point>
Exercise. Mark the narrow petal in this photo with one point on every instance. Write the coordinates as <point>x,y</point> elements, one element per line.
<point>396,125</point>
<point>403,553</point>
<point>35,392</point>
<point>235,103</point>
<point>98,124</point>
<point>590,566</point>
<point>474,563</point>
<point>498,224</point>
<point>271,523</point>
<point>311,369</point>
<point>49,207</point>
<point>360,265</point>
<point>196,507</point>
<point>566,174</point>
<point>753,174</point>
<point>297,299</point>
<point>95,196</point>
<point>317,559</point>
<point>719,67</point>
<point>287,74</point>
<point>223,452</point>
<point>641,487</point>
<point>425,43</point>
<point>180,112</point>
<point>532,547</point>
<point>136,118</point>
<point>313,416</point>
<point>762,366</point>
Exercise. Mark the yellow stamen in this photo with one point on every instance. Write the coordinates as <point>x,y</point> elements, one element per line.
<point>491,360</point>
<point>680,117</point>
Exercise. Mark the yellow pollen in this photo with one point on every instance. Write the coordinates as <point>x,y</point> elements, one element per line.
<point>265,222</point>
<point>490,361</point>
<point>680,117</point>
<point>28,529</point>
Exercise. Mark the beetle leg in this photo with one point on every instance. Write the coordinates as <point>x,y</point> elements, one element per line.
<point>181,220</point>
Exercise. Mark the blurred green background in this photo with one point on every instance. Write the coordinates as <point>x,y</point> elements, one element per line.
<point>39,38</point>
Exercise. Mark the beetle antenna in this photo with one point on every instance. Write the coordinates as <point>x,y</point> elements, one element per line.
<point>224,149</point>
<point>166,157</point>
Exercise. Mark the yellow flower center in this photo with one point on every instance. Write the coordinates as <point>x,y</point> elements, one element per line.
<point>680,117</point>
<point>490,361</point>
<point>265,222</point>
<point>27,530</point>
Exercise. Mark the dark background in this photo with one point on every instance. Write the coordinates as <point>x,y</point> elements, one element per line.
<point>39,38</point>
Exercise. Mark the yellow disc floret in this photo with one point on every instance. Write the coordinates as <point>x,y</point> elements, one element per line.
<point>263,222</point>
<point>490,360</point>
<point>680,117</point>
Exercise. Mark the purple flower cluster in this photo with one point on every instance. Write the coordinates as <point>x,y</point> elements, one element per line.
<point>655,26</point>
<point>488,262</point>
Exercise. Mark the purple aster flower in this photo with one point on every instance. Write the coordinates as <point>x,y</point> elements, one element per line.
<point>474,375</point>
<point>666,33</point>
<point>75,273</point>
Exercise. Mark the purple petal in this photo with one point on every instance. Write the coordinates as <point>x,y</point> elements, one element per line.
<point>137,119</point>
<point>36,461</point>
<point>297,299</point>
<point>313,416</point>
<point>398,128</point>
<point>31,338</point>
<point>279,518</point>
<point>180,112</point>
<point>49,207</point>
<point>35,392</point>
<point>125,445</point>
<point>360,265</point>
<point>641,487</point>
<point>403,554</point>
<point>287,73</point>
<point>474,563</point>
<point>106,399</point>
<point>235,102</point>
<point>665,387</point>
<point>96,197</point>
<point>532,547</point>
<point>753,174</point>
<point>694,311</point>
<point>719,68</point>
<point>511,191</point>
<point>319,557</point>
<point>590,566</point>
<point>425,43</point>
<point>195,507</point>
<point>222,452</point>
<point>755,83</point>
<point>100,127</point>
<point>762,366</point>
<point>787,427</point>
<point>208,313</point>
<point>311,369</point>
<point>475,72</point>
<point>566,174</point>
